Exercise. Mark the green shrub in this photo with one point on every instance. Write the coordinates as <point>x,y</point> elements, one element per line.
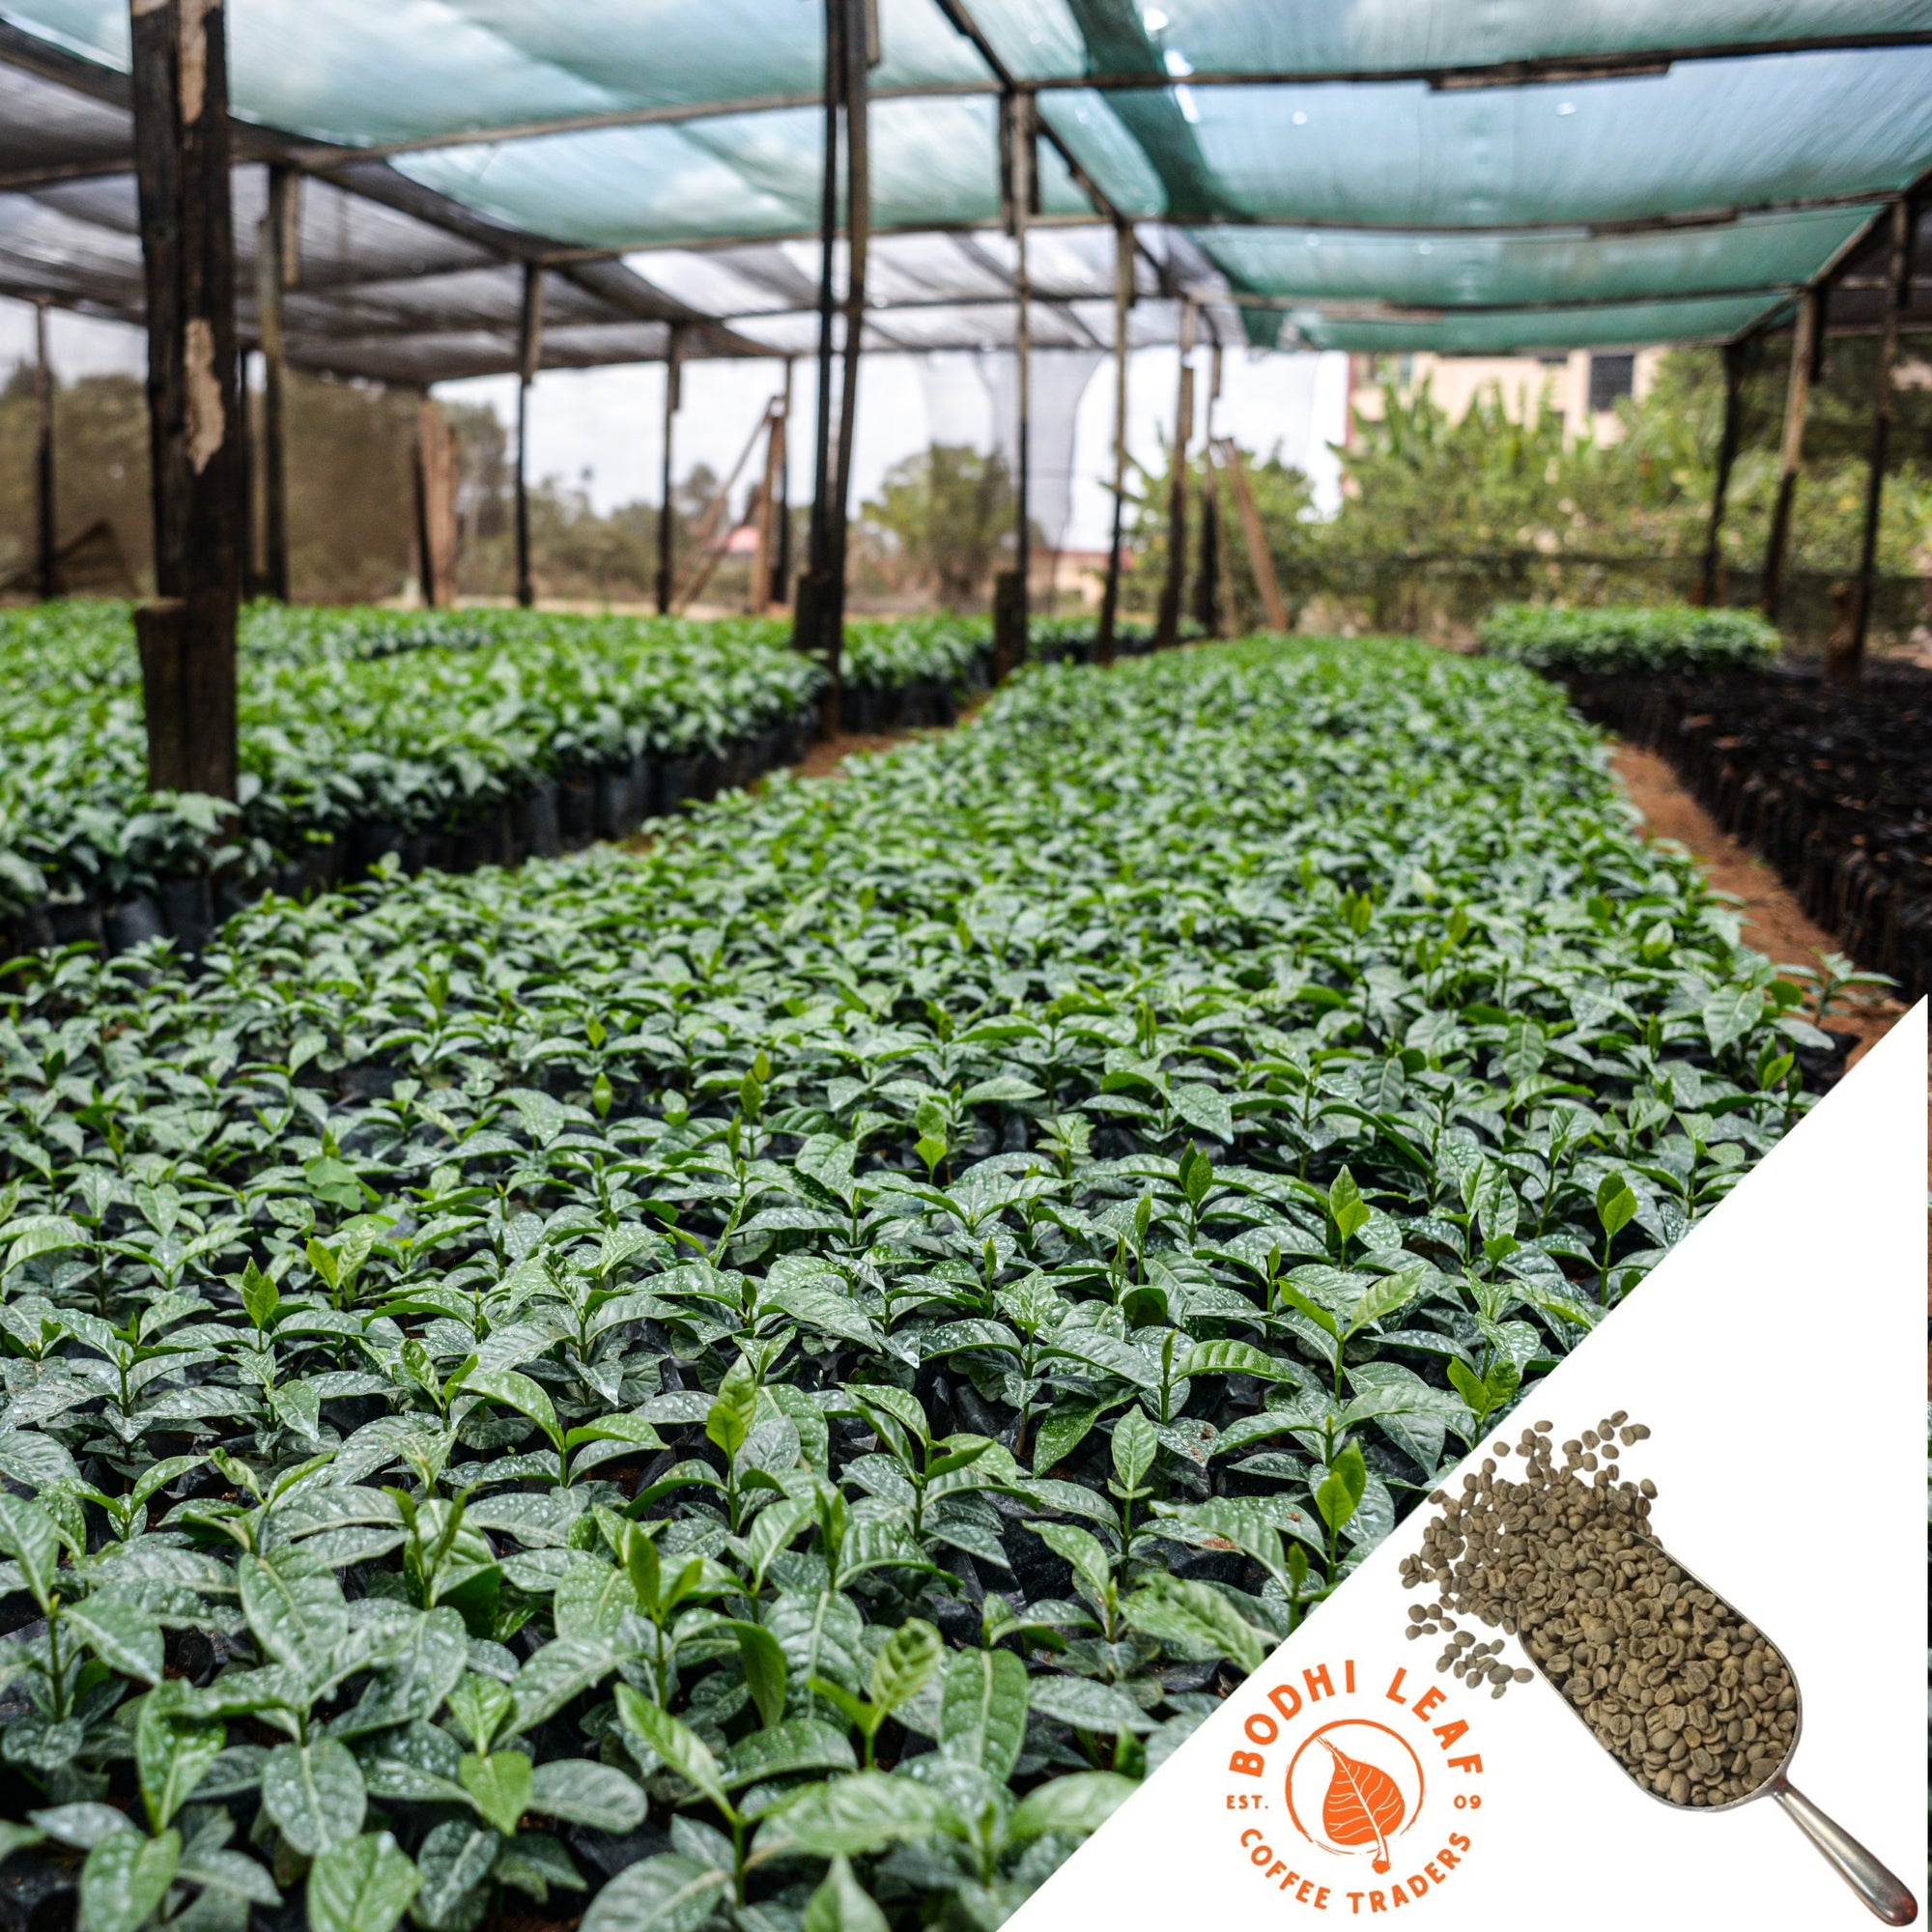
<point>1629,638</point>
<point>842,1328</point>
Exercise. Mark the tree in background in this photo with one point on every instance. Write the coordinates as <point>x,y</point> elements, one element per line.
<point>938,524</point>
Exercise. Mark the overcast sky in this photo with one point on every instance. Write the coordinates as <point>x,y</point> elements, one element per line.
<point>601,430</point>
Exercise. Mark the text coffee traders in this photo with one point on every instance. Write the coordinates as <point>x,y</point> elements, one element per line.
<point>1355,1789</point>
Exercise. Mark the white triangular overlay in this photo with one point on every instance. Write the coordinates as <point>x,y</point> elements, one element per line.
<point>1779,1357</point>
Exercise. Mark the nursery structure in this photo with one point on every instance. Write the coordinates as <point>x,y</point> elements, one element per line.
<point>760,1379</point>
<point>437,194</point>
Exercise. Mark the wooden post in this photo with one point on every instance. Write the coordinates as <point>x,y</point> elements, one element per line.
<point>1896,289</point>
<point>529,358</point>
<point>179,85</point>
<point>667,512</point>
<point>814,586</point>
<point>274,265</point>
<point>1261,560</point>
<point>436,505</point>
<point>860,28</point>
<point>46,546</point>
<point>778,593</point>
<point>1123,296</point>
<point>1024,157</point>
<point>1167,622</point>
<point>1710,573</point>
<point>1209,570</point>
<point>1796,394</point>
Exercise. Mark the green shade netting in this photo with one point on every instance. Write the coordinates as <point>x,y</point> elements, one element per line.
<point>1771,252</point>
<point>1708,136</point>
<point>364,72</point>
<point>934,162</point>
<point>1570,210</point>
<point>1630,324</point>
<point>1042,40</point>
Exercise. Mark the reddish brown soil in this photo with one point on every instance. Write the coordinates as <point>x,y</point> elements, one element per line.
<point>1774,922</point>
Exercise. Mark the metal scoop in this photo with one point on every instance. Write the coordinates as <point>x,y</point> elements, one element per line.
<point>1881,1890</point>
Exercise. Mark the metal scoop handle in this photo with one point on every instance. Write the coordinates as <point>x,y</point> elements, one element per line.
<point>1882,1892</point>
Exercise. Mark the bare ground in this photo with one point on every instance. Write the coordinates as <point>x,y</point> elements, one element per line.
<point>1774,922</point>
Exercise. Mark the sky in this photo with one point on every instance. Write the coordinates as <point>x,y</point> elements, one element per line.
<point>601,430</point>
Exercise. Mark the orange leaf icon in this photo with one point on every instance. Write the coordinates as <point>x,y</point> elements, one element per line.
<point>1363,1807</point>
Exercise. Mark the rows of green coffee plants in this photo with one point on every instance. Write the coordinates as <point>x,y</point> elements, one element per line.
<point>1616,638</point>
<point>449,738</point>
<point>762,1384</point>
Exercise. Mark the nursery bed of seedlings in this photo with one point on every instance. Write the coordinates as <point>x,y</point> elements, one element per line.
<point>1830,782</point>
<point>765,1383</point>
<point>1629,638</point>
<point>451,739</point>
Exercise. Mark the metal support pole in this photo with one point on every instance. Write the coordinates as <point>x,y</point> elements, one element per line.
<point>275,263</point>
<point>1797,392</point>
<point>1012,588</point>
<point>859,35</point>
<point>1896,289</point>
<point>814,589</point>
<point>667,511</point>
<point>46,546</point>
<point>1123,296</point>
<point>179,71</point>
<point>1208,572</point>
<point>778,591</point>
<point>1167,623</point>
<point>1709,574</point>
<point>529,358</point>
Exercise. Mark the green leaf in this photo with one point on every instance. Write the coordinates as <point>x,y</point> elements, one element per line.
<point>298,1620</point>
<point>1231,1359</point>
<point>27,1535</point>
<point>735,1408</point>
<point>124,1879</point>
<point>905,1664</point>
<point>982,1716</point>
<point>852,1817</point>
<point>666,1894</point>
<point>519,1392</point>
<point>1090,1561</point>
<point>1341,1489</point>
<point>1089,1705</point>
<point>1194,1618</point>
<point>1075,1804</point>
<point>764,1664</point>
<point>498,1785</point>
<point>798,1744</point>
<point>1346,1207</point>
<point>597,1795</point>
<point>841,1904</point>
<point>120,1634</point>
<point>1135,1447</point>
<point>315,1793</point>
<point>364,1884</point>
<point>1616,1205</point>
<point>173,1752</point>
<point>1062,1430</point>
<point>676,1742</point>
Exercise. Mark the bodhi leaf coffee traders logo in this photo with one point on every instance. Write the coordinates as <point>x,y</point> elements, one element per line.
<point>1363,1788</point>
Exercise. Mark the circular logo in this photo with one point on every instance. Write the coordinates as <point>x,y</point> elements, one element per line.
<point>1354,1787</point>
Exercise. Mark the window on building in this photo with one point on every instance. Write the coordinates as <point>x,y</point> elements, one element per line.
<point>1611,376</point>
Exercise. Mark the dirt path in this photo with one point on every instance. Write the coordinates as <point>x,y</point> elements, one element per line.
<point>1775,923</point>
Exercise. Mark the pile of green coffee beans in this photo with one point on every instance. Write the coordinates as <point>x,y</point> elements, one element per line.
<point>1693,1703</point>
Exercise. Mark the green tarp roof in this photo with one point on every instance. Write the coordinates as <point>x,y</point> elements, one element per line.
<point>1363,174</point>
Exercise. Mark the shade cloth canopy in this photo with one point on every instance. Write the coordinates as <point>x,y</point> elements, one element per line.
<point>1349,174</point>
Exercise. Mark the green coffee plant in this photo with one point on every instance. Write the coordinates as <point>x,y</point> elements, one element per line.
<point>777,1376</point>
<point>405,723</point>
<point>1629,638</point>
